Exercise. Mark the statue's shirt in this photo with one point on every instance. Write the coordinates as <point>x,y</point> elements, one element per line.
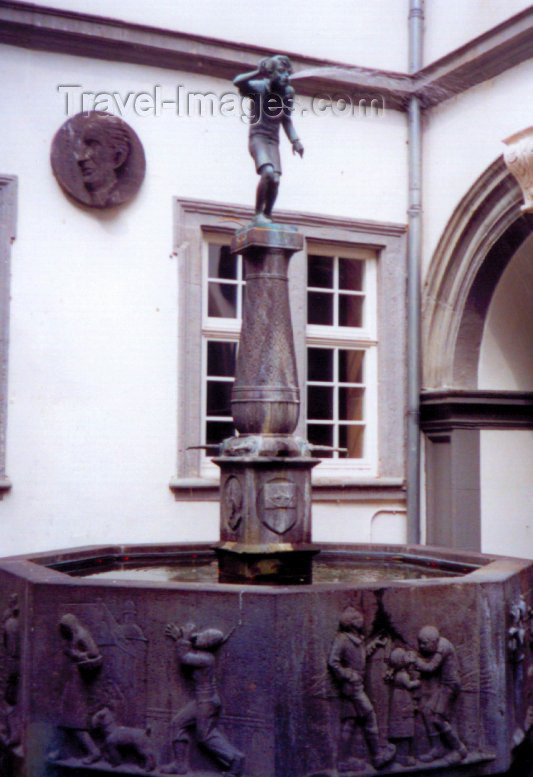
<point>268,110</point>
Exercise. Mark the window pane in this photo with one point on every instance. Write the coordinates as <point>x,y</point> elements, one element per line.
<point>216,431</point>
<point>222,300</point>
<point>221,263</point>
<point>351,272</point>
<point>351,404</point>
<point>352,438</point>
<point>218,397</point>
<point>350,310</point>
<point>351,366</point>
<point>321,434</point>
<point>320,364</point>
<point>320,402</point>
<point>320,271</point>
<point>221,358</point>
<point>319,308</point>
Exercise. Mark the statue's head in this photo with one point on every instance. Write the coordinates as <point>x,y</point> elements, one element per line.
<point>104,148</point>
<point>351,620</point>
<point>428,640</point>
<point>207,639</point>
<point>398,658</point>
<point>277,69</point>
<point>82,648</point>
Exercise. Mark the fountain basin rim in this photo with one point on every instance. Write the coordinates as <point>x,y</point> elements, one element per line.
<point>67,566</point>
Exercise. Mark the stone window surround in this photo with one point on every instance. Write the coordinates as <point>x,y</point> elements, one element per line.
<point>194,219</point>
<point>8,220</point>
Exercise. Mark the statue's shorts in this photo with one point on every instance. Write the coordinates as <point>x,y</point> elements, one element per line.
<point>264,151</point>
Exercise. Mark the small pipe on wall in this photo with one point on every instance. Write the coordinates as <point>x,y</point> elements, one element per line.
<point>414,250</point>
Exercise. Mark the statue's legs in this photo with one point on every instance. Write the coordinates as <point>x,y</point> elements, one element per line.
<point>267,192</point>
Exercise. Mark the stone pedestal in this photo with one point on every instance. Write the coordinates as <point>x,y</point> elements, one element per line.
<point>265,520</point>
<point>265,511</point>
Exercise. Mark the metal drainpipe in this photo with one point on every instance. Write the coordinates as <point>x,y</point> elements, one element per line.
<point>414,246</point>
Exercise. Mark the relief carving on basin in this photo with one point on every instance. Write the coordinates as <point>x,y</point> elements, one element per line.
<point>132,675</point>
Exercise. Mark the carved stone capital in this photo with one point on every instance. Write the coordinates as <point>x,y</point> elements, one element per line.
<point>519,160</point>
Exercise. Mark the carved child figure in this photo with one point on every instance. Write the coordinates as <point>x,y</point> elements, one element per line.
<point>437,658</point>
<point>347,662</point>
<point>272,104</point>
<point>195,649</point>
<point>402,707</point>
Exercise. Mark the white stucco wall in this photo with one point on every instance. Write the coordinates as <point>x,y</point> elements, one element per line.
<point>341,30</point>
<point>462,137</point>
<point>370,523</point>
<point>91,443</point>
<point>450,24</point>
<point>506,495</point>
<point>506,363</point>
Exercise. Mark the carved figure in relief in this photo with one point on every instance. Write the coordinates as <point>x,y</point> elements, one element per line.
<point>516,634</point>
<point>195,651</point>
<point>347,662</point>
<point>104,147</point>
<point>120,742</point>
<point>10,734</point>
<point>11,645</point>
<point>402,706</point>
<point>272,104</point>
<point>128,628</point>
<point>85,662</point>
<point>98,159</point>
<point>127,663</point>
<point>437,659</point>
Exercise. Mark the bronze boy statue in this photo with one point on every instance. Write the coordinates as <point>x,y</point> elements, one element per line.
<point>272,104</point>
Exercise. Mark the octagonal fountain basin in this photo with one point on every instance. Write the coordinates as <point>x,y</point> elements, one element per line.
<point>135,660</point>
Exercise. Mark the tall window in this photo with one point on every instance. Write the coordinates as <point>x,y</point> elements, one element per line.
<point>223,300</point>
<point>341,355</point>
<point>338,390</point>
<point>346,286</point>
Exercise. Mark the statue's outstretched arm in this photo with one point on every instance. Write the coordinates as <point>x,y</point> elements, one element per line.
<point>244,81</point>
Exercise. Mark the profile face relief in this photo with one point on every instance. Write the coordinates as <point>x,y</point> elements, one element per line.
<point>99,158</point>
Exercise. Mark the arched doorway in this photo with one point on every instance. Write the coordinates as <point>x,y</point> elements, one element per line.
<point>458,412</point>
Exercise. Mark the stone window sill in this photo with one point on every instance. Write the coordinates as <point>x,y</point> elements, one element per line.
<point>324,489</point>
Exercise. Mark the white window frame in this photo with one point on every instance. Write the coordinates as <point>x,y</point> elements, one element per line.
<point>359,338</point>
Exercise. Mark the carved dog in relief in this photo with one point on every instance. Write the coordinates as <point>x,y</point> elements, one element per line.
<point>121,740</point>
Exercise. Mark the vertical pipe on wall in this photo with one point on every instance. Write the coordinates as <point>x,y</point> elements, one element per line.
<point>416,24</point>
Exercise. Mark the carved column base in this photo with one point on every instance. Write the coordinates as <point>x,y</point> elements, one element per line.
<point>265,519</point>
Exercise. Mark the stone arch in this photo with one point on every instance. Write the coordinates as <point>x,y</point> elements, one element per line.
<point>480,239</point>
<point>485,230</point>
